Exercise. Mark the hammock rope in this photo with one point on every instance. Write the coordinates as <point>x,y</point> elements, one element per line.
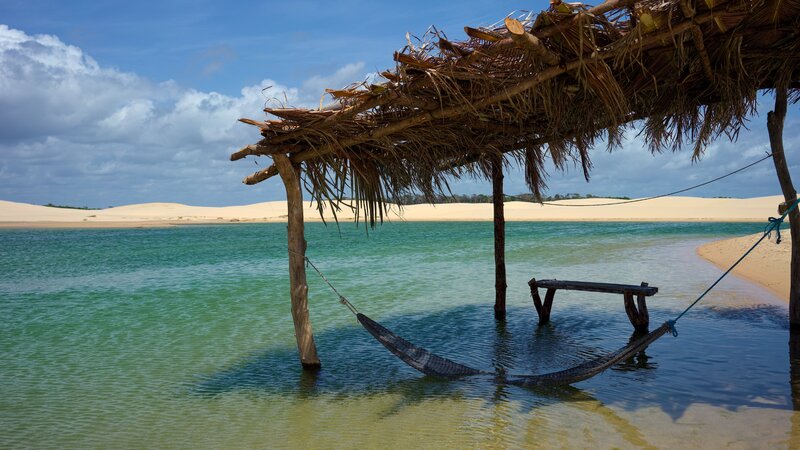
<point>431,364</point>
<point>774,224</point>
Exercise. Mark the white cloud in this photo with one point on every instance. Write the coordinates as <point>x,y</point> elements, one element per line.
<point>73,131</point>
<point>315,86</point>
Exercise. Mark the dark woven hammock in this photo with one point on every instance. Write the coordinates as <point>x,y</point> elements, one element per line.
<point>434,365</point>
<point>437,366</point>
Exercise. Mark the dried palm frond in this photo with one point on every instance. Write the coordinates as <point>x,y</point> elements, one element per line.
<point>531,88</point>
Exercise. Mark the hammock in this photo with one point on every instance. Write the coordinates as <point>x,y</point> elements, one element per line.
<point>437,366</point>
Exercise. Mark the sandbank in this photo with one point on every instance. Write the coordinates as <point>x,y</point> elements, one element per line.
<point>668,209</point>
<point>767,265</point>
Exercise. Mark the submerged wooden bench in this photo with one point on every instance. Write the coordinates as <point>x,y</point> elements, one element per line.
<point>637,312</point>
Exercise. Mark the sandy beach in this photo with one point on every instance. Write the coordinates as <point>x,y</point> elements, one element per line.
<point>767,265</point>
<point>669,209</point>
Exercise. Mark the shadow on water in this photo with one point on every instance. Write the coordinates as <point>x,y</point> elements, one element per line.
<point>671,375</point>
<point>357,366</point>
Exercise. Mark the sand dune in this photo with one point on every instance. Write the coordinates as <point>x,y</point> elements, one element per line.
<point>670,209</point>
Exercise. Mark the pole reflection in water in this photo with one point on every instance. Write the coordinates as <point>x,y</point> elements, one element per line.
<point>794,384</point>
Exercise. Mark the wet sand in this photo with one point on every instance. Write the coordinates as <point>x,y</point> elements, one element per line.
<point>767,265</point>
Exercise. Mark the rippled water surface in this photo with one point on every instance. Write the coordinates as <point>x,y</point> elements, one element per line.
<point>182,338</point>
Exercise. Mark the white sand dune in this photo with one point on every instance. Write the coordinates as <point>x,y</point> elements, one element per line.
<point>669,209</point>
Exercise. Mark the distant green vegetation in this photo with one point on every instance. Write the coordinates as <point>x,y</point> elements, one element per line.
<point>482,198</point>
<point>557,197</point>
<point>70,207</point>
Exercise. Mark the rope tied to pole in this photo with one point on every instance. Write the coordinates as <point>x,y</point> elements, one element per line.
<point>774,223</point>
<point>342,299</point>
<point>671,328</point>
<point>779,221</point>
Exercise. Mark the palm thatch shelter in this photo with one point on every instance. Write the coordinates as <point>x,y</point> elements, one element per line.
<point>530,88</point>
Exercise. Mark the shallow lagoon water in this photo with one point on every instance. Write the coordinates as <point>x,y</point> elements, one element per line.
<point>182,338</point>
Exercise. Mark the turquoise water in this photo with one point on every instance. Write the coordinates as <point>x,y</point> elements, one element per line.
<point>182,338</point>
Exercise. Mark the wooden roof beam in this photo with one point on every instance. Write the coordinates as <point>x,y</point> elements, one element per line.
<point>549,30</point>
<point>263,148</point>
<point>529,42</point>
<point>689,12</point>
<point>261,175</point>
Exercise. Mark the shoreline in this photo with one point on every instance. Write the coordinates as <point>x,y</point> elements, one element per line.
<point>668,209</point>
<point>184,223</point>
<point>767,266</point>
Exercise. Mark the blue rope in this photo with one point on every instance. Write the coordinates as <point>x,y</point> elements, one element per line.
<point>779,221</point>
<point>774,223</point>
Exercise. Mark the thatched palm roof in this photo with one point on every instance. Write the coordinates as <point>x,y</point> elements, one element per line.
<point>539,86</point>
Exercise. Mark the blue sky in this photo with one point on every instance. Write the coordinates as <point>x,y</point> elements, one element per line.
<point>111,103</point>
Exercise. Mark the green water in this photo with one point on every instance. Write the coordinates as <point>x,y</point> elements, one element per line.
<point>182,338</point>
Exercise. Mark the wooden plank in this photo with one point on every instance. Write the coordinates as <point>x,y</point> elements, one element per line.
<point>589,286</point>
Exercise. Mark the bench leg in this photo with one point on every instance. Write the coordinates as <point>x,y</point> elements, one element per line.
<point>644,316</point>
<point>639,317</point>
<point>543,309</point>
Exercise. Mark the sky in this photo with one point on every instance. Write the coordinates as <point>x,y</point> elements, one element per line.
<point>110,103</point>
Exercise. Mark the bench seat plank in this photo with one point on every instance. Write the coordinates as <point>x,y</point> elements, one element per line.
<point>589,286</point>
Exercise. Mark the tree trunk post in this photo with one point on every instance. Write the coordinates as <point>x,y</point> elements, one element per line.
<point>499,240</point>
<point>775,120</point>
<point>290,174</point>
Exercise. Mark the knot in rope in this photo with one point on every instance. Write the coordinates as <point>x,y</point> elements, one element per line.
<point>343,300</point>
<point>774,223</point>
<point>671,327</point>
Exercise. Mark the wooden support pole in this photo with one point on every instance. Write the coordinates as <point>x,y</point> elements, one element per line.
<point>290,174</point>
<point>775,120</point>
<point>499,240</point>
